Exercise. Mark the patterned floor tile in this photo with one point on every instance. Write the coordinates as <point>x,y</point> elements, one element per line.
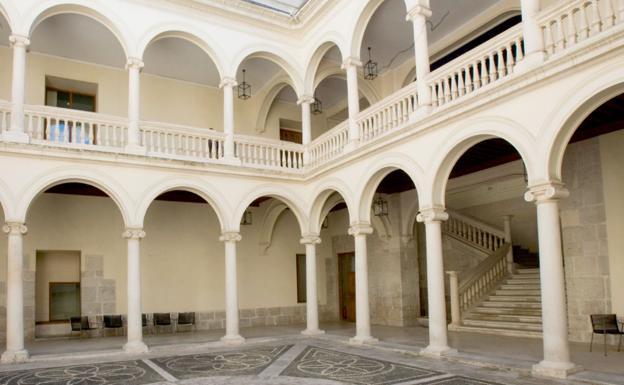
<point>114,373</point>
<point>320,363</point>
<point>459,380</point>
<point>243,362</point>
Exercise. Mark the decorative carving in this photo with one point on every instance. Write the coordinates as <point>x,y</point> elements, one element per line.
<point>351,61</point>
<point>546,192</point>
<point>19,41</point>
<point>230,236</point>
<point>307,99</point>
<point>360,228</point>
<point>228,82</point>
<point>15,228</point>
<point>310,239</point>
<point>134,233</point>
<point>134,63</point>
<point>432,214</point>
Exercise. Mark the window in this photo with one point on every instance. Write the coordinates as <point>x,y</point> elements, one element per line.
<point>301,278</point>
<point>290,131</point>
<point>64,300</point>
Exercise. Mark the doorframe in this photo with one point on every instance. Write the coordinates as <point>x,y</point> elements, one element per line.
<point>341,288</point>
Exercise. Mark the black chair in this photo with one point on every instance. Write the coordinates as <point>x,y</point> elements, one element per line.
<point>162,320</point>
<point>605,324</point>
<point>144,321</point>
<point>186,319</point>
<point>113,322</point>
<point>80,324</point>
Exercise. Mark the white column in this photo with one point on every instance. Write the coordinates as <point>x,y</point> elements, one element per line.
<point>507,228</point>
<point>351,65</point>
<point>16,132</point>
<point>134,325</point>
<point>454,294</point>
<point>306,125</point>
<point>418,16</point>
<point>15,351</point>
<point>532,33</point>
<point>556,362</point>
<point>228,84</point>
<point>312,328</point>
<point>232,335</point>
<point>362,303</point>
<point>134,67</point>
<point>438,339</point>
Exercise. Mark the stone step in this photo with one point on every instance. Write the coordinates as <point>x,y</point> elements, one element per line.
<point>515,298</point>
<point>523,286</point>
<point>517,292</point>
<point>507,310</point>
<point>528,271</point>
<point>502,332</point>
<point>530,319</point>
<point>523,281</point>
<point>504,325</point>
<point>508,304</point>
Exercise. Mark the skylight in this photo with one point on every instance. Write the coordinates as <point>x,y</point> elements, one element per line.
<point>289,7</point>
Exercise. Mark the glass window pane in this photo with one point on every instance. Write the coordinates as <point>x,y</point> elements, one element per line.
<point>83,102</point>
<point>62,99</point>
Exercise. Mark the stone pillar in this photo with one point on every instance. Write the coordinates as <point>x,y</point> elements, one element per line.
<point>418,16</point>
<point>438,339</point>
<point>507,228</point>
<point>15,351</point>
<point>351,65</point>
<point>556,362</point>
<point>134,67</point>
<point>310,241</point>
<point>454,294</point>
<point>306,125</point>
<point>134,325</point>
<point>16,132</point>
<point>228,84</point>
<point>232,335</point>
<point>532,33</point>
<point>362,302</point>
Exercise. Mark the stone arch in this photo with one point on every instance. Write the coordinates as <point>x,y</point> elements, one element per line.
<point>51,178</point>
<point>272,54</point>
<point>472,133</point>
<point>184,32</point>
<point>367,90</point>
<point>359,28</point>
<point>326,196</point>
<point>314,61</point>
<point>282,194</point>
<point>92,9</point>
<point>269,220</point>
<point>7,202</point>
<point>8,11</point>
<point>274,88</point>
<point>384,165</point>
<point>572,110</point>
<point>212,196</point>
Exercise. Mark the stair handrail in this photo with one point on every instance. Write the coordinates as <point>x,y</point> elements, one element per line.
<point>477,282</point>
<point>474,232</point>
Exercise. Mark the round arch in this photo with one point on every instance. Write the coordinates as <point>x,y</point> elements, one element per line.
<point>91,9</point>
<point>8,11</point>
<point>575,106</point>
<point>275,55</point>
<point>322,203</point>
<point>49,179</point>
<point>274,88</point>
<point>314,61</point>
<point>212,196</point>
<point>472,133</point>
<point>382,166</point>
<point>361,23</point>
<point>367,90</point>
<point>7,202</point>
<point>282,194</point>
<point>184,32</point>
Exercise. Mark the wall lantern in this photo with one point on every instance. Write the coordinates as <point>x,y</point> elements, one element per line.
<point>370,68</point>
<point>247,218</point>
<point>244,89</point>
<point>380,207</point>
<point>317,106</point>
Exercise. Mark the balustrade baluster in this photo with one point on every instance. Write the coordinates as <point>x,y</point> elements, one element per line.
<point>609,20</point>
<point>454,91</point>
<point>571,27</point>
<point>460,83</point>
<point>596,23</point>
<point>621,11</point>
<point>447,90</point>
<point>560,38</point>
<point>468,82</point>
<point>492,61</point>
<point>510,58</point>
<point>502,66</point>
<point>434,95</point>
<point>485,80</point>
<point>549,43</point>
<point>583,32</point>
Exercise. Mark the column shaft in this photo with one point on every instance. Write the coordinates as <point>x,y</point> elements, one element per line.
<point>134,99</point>
<point>134,325</point>
<point>18,86</point>
<point>351,66</point>
<point>435,283</point>
<point>232,334</point>
<point>533,38</point>
<point>228,117</point>
<point>362,301</point>
<point>312,326</point>
<point>418,17</point>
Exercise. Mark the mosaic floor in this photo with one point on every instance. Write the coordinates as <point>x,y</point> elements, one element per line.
<point>301,362</point>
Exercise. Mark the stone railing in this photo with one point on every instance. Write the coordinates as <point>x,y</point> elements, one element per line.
<point>65,127</point>
<point>484,65</point>
<point>389,114</point>
<point>268,154</point>
<point>181,142</point>
<point>474,232</point>
<point>566,25</point>
<point>329,146</point>
<point>5,115</point>
<point>477,282</point>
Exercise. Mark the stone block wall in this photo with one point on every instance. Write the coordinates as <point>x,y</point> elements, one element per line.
<point>97,294</point>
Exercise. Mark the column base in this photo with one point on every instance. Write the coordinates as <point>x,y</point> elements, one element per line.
<point>136,347</point>
<point>530,61</point>
<point>15,137</point>
<point>14,356</point>
<point>555,369</point>
<point>135,149</point>
<point>313,332</point>
<point>437,351</point>
<point>233,340</point>
<point>231,161</point>
<point>362,340</point>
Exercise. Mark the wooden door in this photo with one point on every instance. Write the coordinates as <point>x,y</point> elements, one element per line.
<point>346,283</point>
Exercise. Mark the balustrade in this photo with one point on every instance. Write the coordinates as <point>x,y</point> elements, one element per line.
<point>329,146</point>
<point>476,233</point>
<point>268,154</point>
<point>182,142</point>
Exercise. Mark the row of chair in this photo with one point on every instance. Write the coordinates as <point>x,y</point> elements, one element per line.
<point>159,320</point>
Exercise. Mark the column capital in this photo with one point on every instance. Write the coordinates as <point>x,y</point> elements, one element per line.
<point>432,214</point>
<point>305,99</point>
<point>19,41</point>
<point>133,233</point>
<point>360,228</point>
<point>134,63</point>
<point>15,228</point>
<point>230,236</point>
<point>544,192</point>
<point>228,82</point>
<point>419,10</point>
<point>310,239</point>
<point>351,61</point>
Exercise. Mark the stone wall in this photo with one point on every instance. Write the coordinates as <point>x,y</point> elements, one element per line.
<point>97,294</point>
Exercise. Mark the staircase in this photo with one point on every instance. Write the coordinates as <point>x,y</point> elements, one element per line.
<point>494,297</point>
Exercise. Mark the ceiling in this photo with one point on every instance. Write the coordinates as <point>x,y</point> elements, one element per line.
<point>289,7</point>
